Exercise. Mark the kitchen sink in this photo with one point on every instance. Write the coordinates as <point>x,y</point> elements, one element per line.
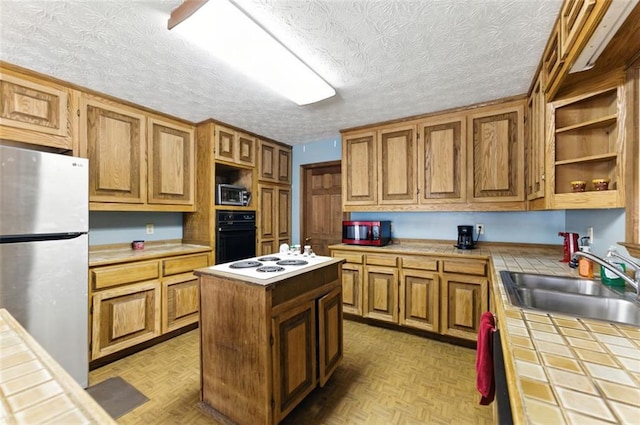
<point>568,295</point>
<point>560,283</point>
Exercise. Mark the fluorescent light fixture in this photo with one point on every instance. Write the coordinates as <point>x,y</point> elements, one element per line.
<point>612,20</point>
<point>229,34</point>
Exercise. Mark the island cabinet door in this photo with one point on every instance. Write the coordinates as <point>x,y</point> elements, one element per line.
<point>330,334</point>
<point>294,357</point>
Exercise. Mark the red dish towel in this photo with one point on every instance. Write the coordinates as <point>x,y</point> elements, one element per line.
<point>485,382</point>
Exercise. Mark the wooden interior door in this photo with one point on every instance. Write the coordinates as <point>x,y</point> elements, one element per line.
<point>321,209</point>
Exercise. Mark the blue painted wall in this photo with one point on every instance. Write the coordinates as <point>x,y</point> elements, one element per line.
<point>608,227</point>
<point>124,227</point>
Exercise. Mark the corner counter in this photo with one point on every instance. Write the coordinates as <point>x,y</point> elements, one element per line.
<point>560,369</point>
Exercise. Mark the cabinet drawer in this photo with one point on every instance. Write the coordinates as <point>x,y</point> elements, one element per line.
<point>475,267</point>
<point>351,257</point>
<point>382,260</point>
<point>184,264</point>
<point>104,277</point>
<point>420,263</point>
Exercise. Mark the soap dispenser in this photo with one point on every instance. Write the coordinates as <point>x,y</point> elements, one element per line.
<point>585,266</point>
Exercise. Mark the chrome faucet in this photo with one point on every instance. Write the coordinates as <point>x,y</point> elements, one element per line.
<point>612,253</point>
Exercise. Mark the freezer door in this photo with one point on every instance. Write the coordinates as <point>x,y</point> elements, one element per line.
<point>44,286</point>
<point>42,193</point>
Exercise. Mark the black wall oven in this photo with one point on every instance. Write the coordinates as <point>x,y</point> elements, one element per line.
<point>235,235</point>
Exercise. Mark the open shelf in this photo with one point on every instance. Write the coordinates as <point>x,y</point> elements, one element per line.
<point>600,122</point>
<point>586,159</point>
<point>586,148</point>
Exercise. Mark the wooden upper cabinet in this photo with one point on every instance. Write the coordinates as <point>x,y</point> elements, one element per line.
<point>552,58</point>
<point>225,144</point>
<point>573,17</point>
<point>35,111</point>
<point>632,181</point>
<point>397,165</point>
<point>275,163</point>
<point>496,153</point>
<point>359,169</point>
<point>246,150</point>
<point>442,159</point>
<point>284,214</point>
<point>171,156</point>
<point>536,141</point>
<point>234,147</point>
<point>284,165</point>
<point>114,138</point>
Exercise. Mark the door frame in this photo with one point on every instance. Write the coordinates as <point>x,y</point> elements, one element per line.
<point>303,192</point>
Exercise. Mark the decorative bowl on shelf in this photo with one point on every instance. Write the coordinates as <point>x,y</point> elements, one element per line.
<point>578,185</point>
<point>600,184</point>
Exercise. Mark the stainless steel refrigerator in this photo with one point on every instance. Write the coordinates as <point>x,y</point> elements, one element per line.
<point>44,252</point>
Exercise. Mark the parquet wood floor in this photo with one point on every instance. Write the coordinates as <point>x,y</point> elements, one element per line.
<point>386,377</point>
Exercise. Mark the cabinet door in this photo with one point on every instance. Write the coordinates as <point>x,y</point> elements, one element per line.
<point>246,152</point>
<point>573,16</point>
<point>352,288</point>
<point>180,301</point>
<point>397,166</point>
<point>124,317</point>
<point>284,165</point>
<point>381,293</point>
<point>463,300</point>
<point>114,137</point>
<point>294,357</point>
<point>496,154</point>
<point>442,160</point>
<point>419,299</point>
<point>552,58</point>
<point>171,163</point>
<point>34,111</point>
<point>268,162</point>
<point>283,209</point>
<point>267,218</point>
<point>225,144</point>
<point>359,169</point>
<point>536,141</point>
<point>330,338</point>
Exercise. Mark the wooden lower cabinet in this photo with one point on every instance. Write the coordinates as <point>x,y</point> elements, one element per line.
<point>123,317</point>
<point>439,294</point>
<point>137,301</point>
<point>180,302</point>
<point>352,288</point>
<point>464,299</point>
<point>381,293</point>
<point>419,303</point>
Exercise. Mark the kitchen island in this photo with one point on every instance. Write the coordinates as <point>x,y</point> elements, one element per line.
<point>267,342</point>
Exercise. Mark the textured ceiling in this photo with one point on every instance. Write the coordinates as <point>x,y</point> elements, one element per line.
<point>386,59</point>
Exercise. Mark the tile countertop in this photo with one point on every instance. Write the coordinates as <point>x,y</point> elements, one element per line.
<point>122,253</point>
<point>560,369</point>
<point>34,388</point>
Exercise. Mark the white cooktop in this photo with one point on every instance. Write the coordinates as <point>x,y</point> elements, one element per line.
<point>256,273</point>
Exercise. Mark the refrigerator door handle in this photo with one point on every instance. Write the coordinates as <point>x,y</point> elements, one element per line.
<point>38,238</point>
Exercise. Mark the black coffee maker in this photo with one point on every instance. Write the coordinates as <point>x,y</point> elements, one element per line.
<point>465,237</point>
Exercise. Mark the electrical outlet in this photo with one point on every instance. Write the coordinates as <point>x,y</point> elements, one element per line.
<point>150,229</point>
<point>480,229</point>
